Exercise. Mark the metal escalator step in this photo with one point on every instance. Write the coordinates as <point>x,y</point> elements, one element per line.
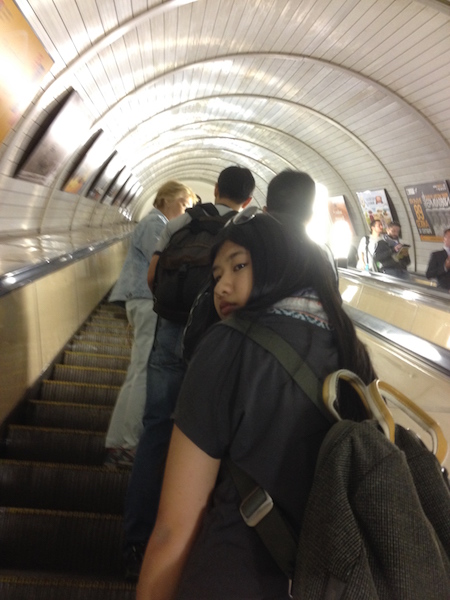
<point>93,359</point>
<point>55,445</point>
<point>68,415</point>
<point>53,486</point>
<point>111,308</point>
<point>100,338</point>
<point>77,542</point>
<point>79,392</point>
<point>89,346</point>
<point>105,330</point>
<point>91,375</point>
<point>18,585</point>
<point>108,322</point>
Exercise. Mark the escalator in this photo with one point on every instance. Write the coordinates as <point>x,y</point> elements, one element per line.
<point>60,508</point>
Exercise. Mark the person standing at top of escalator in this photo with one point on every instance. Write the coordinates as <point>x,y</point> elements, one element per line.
<point>439,264</point>
<point>367,246</point>
<point>391,255</point>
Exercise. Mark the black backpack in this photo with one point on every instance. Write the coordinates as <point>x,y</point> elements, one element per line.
<point>184,265</point>
<point>377,521</point>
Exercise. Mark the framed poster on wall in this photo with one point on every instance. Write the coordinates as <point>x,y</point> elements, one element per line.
<point>87,162</point>
<point>430,206</point>
<point>132,194</point>
<point>105,176</point>
<point>337,208</point>
<point>375,205</point>
<point>115,186</point>
<point>123,191</point>
<point>24,64</point>
<point>57,138</point>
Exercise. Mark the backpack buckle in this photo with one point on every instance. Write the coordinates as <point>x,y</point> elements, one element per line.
<point>256,506</point>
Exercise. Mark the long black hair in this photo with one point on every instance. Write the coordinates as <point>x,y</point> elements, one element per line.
<point>285,261</point>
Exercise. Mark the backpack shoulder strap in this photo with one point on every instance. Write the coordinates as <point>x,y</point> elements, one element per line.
<point>201,210</point>
<point>297,368</point>
<point>257,508</point>
<point>210,209</point>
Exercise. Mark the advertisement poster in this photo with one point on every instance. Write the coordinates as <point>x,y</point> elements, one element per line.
<point>91,159</point>
<point>123,192</point>
<point>61,137</point>
<point>430,206</point>
<point>375,205</point>
<point>116,186</point>
<point>337,209</point>
<point>110,169</point>
<point>24,64</point>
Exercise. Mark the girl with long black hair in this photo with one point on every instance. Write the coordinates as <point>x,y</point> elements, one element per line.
<point>237,401</point>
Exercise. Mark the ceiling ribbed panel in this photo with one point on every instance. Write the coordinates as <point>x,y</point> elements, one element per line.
<point>354,91</point>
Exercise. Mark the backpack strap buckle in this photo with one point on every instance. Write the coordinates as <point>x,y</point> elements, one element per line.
<point>256,506</point>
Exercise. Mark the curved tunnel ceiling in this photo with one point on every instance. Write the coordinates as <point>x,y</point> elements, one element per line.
<point>353,91</point>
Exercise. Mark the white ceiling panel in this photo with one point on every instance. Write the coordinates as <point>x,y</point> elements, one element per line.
<point>356,91</point>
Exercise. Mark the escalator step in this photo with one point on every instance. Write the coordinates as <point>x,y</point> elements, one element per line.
<point>90,375</point>
<point>99,361</point>
<point>90,346</point>
<point>23,586</point>
<point>53,486</point>
<point>107,321</point>
<point>55,445</point>
<point>79,392</point>
<point>119,340</point>
<point>85,543</point>
<point>68,415</point>
<point>112,308</point>
<point>105,330</point>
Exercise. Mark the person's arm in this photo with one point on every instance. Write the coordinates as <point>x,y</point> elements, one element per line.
<point>152,271</point>
<point>189,479</point>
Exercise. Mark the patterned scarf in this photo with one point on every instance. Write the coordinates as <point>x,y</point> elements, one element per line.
<point>305,305</point>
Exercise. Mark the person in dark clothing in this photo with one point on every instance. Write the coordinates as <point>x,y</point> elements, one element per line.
<point>391,254</point>
<point>290,199</point>
<point>165,373</point>
<point>237,400</point>
<point>439,264</point>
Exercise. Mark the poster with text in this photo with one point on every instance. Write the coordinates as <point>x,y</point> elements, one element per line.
<point>24,64</point>
<point>430,206</point>
<point>375,205</point>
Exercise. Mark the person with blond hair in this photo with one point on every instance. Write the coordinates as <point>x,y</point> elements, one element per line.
<point>132,292</point>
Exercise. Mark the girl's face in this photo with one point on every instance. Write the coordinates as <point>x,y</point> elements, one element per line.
<point>233,276</point>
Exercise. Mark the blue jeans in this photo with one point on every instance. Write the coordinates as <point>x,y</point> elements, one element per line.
<point>125,427</point>
<point>165,374</point>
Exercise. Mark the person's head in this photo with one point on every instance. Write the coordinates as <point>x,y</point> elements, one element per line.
<point>261,259</point>
<point>235,184</point>
<point>447,238</point>
<point>393,229</point>
<point>376,227</point>
<point>259,262</point>
<point>290,194</point>
<point>173,198</point>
